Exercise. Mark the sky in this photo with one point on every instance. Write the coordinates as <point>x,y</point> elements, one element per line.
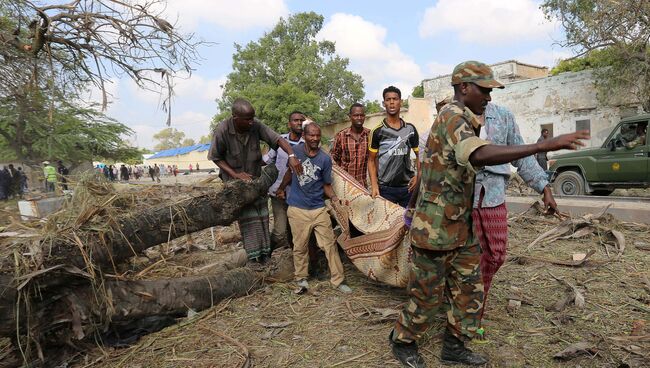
<point>387,42</point>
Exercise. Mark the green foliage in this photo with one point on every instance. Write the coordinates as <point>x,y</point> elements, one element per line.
<point>373,107</point>
<point>418,91</point>
<point>188,142</point>
<point>288,69</point>
<point>35,126</point>
<point>592,60</point>
<point>168,138</point>
<point>613,37</point>
<point>205,139</point>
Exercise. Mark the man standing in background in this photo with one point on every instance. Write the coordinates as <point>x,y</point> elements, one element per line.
<point>63,173</point>
<point>389,159</point>
<point>542,159</point>
<point>50,176</point>
<point>280,233</point>
<point>350,147</point>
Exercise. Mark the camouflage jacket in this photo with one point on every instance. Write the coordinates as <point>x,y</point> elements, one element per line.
<point>442,219</point>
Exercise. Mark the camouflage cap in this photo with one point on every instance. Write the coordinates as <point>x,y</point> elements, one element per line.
<point>474,72</point>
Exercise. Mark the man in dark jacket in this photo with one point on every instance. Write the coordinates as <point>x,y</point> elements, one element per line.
<point>63,173</point>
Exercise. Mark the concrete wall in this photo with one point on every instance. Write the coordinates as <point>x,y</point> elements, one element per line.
<point>512,70</point>
<point>560,100</point>
<point>419,113</point>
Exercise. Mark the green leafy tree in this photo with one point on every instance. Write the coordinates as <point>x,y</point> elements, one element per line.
<point>418,91</point>
<point>373,107</point>
<point>612,37</point>
<point>168,138</point>
<point>288,69</point>
<point>205,139</point>
<point>188,142</point>
<point>594,59</point>
<point>36,126</point>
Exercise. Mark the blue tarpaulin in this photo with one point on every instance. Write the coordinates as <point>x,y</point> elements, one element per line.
<point>181,151</point>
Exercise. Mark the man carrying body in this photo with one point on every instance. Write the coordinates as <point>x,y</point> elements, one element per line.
<point>542,159</point>
<point>350,147</point>
<point>445,274</point>
<point>307,211</point>
<point>279,234</point>
<point>389,159</point>
<point>489,214</point>
<point>235,149</point>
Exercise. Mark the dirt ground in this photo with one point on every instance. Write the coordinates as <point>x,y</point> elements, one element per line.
<point>325,328</point>
<point>275,327</point>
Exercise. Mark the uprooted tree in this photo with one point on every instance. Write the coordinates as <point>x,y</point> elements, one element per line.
<point>58,289</point>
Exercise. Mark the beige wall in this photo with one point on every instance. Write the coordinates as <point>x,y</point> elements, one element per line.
<point>419,113</point>
<point>183,161</point>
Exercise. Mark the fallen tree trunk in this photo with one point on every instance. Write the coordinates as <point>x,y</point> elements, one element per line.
<point>122,314</point>
<point>142,230</point>
<point>128,301</point>
<point>75,261</point>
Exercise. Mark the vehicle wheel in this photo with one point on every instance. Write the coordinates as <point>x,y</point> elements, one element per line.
<point>569,183</point>
<point>602,192</point>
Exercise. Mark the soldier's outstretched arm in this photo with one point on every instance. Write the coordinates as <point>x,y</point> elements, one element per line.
<point>492,154</point>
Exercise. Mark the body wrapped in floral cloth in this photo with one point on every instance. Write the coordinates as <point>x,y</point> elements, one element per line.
<point>373,234</point>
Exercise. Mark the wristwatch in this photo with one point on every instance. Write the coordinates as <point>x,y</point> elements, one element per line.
<point>292,155</point>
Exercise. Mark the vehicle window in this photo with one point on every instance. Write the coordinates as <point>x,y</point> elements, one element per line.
<point>630,135</point>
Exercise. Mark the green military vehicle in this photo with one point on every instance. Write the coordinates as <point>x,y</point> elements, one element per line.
<point>623,161</point>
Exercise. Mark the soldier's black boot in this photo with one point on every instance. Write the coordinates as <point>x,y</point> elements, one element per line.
<point>455,352</point>
<point>407,354</point>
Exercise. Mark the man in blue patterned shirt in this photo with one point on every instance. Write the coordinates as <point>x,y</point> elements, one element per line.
<point>489,213</point>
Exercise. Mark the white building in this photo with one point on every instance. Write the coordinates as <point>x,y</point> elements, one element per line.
<point>562,103</point>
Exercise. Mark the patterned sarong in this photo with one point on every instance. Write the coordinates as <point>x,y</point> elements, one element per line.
<point>491,229</point>
<point>373,231</point>
<point>254,228</point>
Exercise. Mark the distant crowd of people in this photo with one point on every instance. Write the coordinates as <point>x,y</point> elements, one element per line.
<point>13,182</point>
<point>135,172</point>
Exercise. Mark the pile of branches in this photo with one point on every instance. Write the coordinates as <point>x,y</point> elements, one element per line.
<point>63,285</point>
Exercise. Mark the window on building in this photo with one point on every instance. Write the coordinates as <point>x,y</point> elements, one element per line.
<point>583,125</point>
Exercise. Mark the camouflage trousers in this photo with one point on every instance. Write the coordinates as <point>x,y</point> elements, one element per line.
<point>442,282</point>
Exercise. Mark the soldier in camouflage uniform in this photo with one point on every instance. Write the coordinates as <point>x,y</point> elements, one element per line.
<point>445,276</point>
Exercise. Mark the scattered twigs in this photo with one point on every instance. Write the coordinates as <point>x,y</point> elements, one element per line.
<point>573,295</point>
<point>579,263</point>
<point>244,353</point>
<point>350,360</point>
